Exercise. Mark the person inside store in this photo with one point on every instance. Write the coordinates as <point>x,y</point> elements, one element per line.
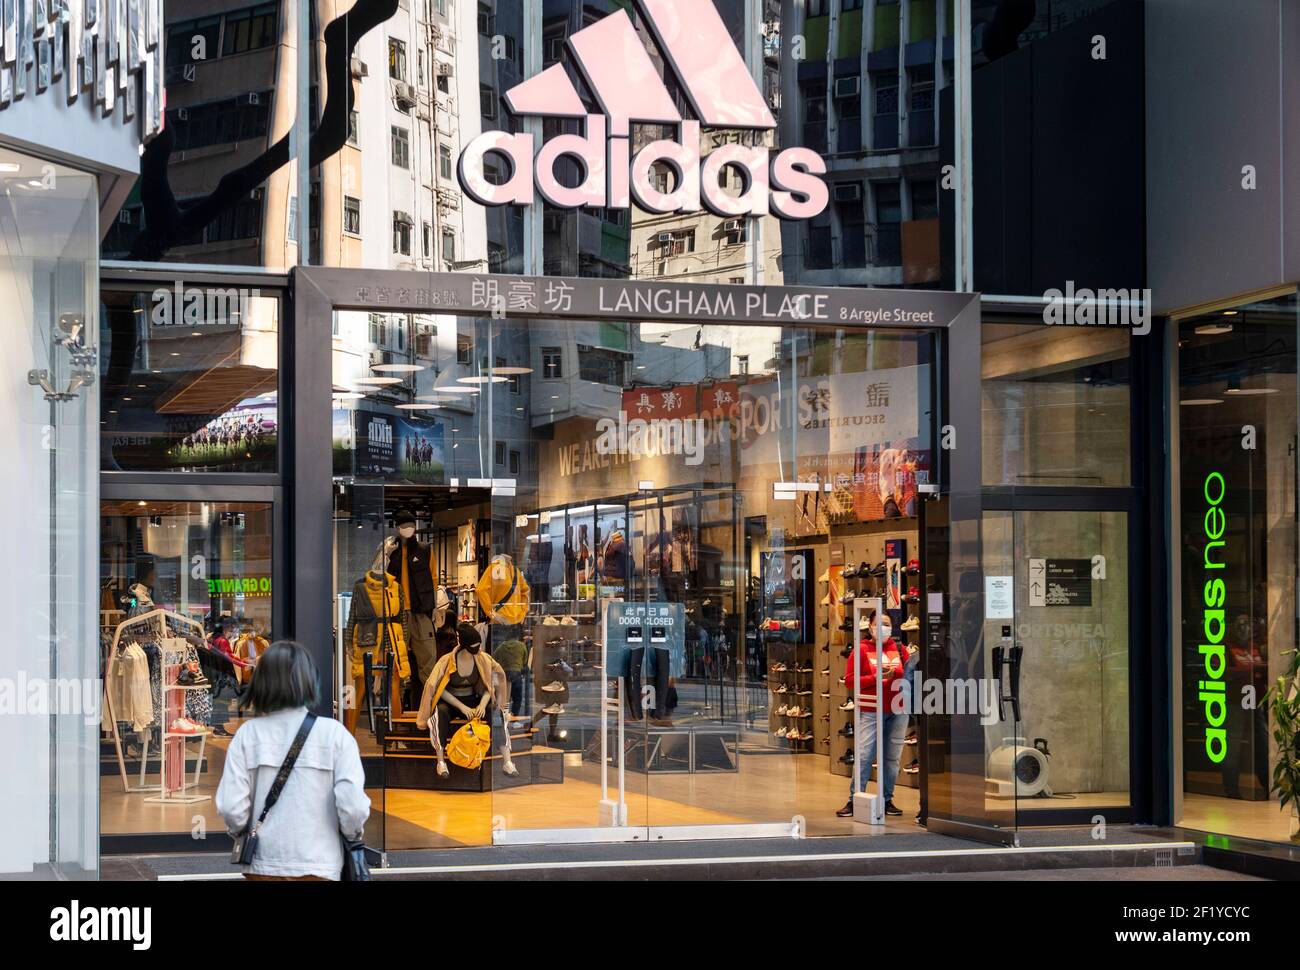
<point>512,655</point>
<point>896,691</point>
<point>324,792</point>
<point>464,684</point>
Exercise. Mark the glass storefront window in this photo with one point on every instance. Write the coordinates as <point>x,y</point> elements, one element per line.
<point>190,379</point>
<point>1236,481</point>
<point>1056,405</point>
<point>192,581</point>
<point>49,230</point>
<point>637,463</point>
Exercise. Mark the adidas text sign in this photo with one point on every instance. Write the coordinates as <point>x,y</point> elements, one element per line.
<point>620,74</point>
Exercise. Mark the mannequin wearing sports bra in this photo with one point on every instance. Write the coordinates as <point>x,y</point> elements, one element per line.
<point>464,684</point>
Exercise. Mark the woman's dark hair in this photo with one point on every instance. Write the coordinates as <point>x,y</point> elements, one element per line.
<point>468,635</point>
<point>284,678</point>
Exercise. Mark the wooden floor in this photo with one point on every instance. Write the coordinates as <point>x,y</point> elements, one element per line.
<point>1234,816</point>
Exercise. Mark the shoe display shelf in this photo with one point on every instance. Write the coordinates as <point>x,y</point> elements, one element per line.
<point>171,791</point>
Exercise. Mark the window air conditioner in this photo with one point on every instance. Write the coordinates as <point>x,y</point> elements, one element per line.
<point>848,192</point>
<point>359,68</point>
<point>254,97</point>
<point>733,226</point>
<point>444,68</point>
<point>848,87</point>
<point>664,239</point>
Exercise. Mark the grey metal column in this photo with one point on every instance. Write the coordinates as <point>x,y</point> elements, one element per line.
<point>299,148</point>
<point>309,491</point>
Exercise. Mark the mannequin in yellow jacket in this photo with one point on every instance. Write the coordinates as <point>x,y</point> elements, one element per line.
<point>464,683</point>
<point>376,615</point>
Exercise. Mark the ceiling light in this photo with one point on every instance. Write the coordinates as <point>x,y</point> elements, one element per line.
<point>397,368</point>
<point>1212,329</point>
<point>34,183</point>
<point>1250,391</point>
<point>1229,313</point>
<point>195,333</point>
<point>377,381</point>
<point>10,167</point>
<point>457,390</point>
<point>418,407</point>
<point>482,380</point>
<point>1193,402</point>
<point>512,371</point>
<point>348,396</point>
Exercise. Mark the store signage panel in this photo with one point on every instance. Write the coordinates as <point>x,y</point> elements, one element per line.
<point>1068,582</point>
<point>640,626</point>
<point>999,598</point>
<point>647,300</point>
<point>110,50</point>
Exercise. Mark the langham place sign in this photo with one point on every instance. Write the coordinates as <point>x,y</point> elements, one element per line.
<point>107,50</point>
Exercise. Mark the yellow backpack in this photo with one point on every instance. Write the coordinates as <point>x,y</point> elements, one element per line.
<point>470,745</point>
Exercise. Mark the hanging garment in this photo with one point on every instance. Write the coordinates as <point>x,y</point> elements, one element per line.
<point>503,593</point>
<point>375,622</point>
<point>128,688</point>
<point>412,564</point>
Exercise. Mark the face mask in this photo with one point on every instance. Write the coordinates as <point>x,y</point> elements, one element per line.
<point>885,631</point>
<point>475,648</point>
<point>406,531</point>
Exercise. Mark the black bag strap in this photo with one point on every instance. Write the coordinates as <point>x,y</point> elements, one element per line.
<point>282,775</point>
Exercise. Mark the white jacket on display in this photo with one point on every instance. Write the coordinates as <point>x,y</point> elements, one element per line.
<point>325,794</point>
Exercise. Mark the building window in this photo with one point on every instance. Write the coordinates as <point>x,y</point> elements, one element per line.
<point>847,5</point>
<point>464,349</point>
<point>742,363</point>
<point>351,215</point>
<point>220,122</point>
<point>396,59</point>
<point>552,363</point>
<point>401,147</point>
<point>181,37</point>
<point>813,94</point>
<point>512,380</point>
<point>353,123</point>
<point>514,463</point>
<point>499,452</point>
<point>487,102</point>
<point>448,248</point>
<point>426,239</point>
<point>818,8</point>
<point>249,30</point>
<point>602,366</point>
<point>401,234</point>
<point>675,243</point>
<point>444,162</point>
<point>925,199</point>
<point>885,112</point>
<point>486,22</point>
<point>419,68</point>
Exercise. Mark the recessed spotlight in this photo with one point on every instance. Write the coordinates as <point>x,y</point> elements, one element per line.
<point>10,167</point>
<point>1229,313</point>
<point>1213,329</point>
<point>196,333</point>
<point>126,399</point>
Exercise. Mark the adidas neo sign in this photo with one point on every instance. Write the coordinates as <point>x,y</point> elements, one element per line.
<point>619,72</point>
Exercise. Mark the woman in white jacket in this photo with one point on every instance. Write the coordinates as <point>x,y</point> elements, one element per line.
<point>325,792</point>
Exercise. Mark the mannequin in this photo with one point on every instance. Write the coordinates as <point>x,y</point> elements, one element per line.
<point>466,683</point>
<point>411,562</point>
<point>375,627</point>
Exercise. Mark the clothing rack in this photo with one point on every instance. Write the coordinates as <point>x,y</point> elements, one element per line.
<point>157,618</point>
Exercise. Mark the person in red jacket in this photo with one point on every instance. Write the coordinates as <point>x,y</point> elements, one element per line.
<point>897,695</point>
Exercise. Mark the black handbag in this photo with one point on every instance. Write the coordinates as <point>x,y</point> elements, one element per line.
<point>246,841</point>
<point>357,859</point>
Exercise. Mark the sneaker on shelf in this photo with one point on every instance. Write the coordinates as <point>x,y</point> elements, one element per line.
<point>554,687</point>
<point>553,709</point>
<point>778,668</point>
<point>183,725</point>
<point>825,577</point>
<point>849,571</point>
<point>550,621</point>
<point>825,601</point>
<point>848,598</point>
<point>847,705</point>
<point>846,731</point>
<point>803,670</point>
<point>780,711</point>
<point>846,758</point>
<point>911,623</point>
<point>782,690</point>
<point>879,569</point>
<point>911,739</point>
<point>847,651</point>
<point>826,694</point>
<point>780,732</point>
<point>826,672</point>
<point>826,717</point>
<point>913,567</point>
<point>913,595</point>
<point>795,711</point>
<point>914,768</point>
<point>568,620</point>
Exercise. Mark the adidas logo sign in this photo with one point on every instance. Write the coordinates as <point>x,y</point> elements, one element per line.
<point>618,71</point>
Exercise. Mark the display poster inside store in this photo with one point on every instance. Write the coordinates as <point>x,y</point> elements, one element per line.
<point>375,444</point>
<point>1225,636</point>
<point>245,432</point>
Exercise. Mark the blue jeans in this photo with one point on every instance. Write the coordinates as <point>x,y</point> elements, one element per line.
<point>895,728</point>
<point>516,679</point>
